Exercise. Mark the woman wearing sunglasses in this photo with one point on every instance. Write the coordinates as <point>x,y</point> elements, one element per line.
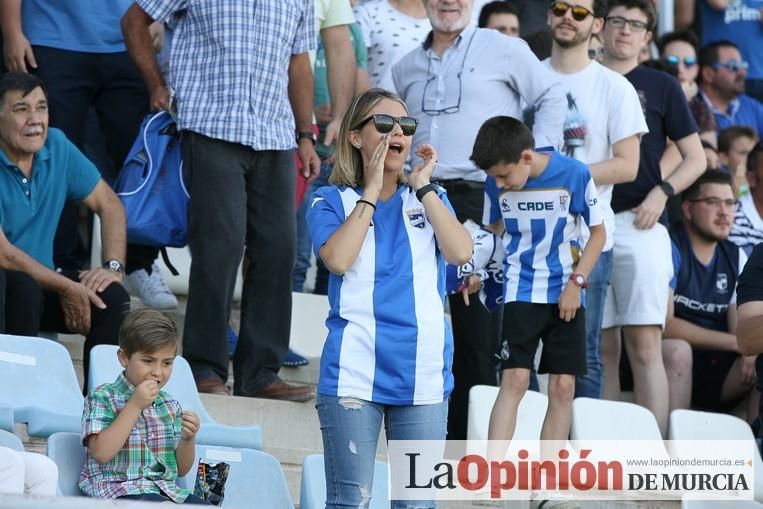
<point>385,239</point>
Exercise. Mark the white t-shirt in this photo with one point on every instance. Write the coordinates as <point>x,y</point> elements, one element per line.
<point>389,35</point>
<point>603,108</point>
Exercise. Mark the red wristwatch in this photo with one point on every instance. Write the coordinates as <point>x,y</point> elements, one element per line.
<point>579,279</point>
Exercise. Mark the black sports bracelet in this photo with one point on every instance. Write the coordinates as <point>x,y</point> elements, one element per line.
<point>367,202</point>
<point>424,190</point>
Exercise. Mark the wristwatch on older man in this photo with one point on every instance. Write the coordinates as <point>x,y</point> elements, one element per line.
<point>114,265</point>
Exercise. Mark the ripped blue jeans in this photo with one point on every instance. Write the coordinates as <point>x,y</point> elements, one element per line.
<point>350,429</point>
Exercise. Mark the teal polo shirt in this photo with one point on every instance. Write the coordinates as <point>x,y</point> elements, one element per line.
<point>30,207</point>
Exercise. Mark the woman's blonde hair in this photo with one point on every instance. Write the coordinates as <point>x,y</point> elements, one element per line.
<point>348,168</point>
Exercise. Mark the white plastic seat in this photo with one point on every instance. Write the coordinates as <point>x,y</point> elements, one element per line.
<point>39,385</point>
<point>11,441</point>
<point>696,425</point>
<point>313,487</point>
<point>255,478</point>
<point>67,452</point>
<point>105,367</point>
<point>532,411</point>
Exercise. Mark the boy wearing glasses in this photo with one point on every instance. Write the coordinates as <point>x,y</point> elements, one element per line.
<point>602,129</point>
<point>702,359</point>
<point>637,298</point>
<point>722,86</point>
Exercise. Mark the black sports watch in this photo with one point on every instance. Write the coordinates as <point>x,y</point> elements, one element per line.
<point>114,265</point>
<point>307,134</point>
<point>667,189</point>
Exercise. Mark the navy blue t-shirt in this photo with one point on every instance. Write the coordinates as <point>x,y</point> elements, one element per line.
<point>703,292</point>
<point>751,289</point>
<point>667,116</point>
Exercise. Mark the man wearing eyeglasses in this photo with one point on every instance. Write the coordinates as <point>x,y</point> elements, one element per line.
<point>461,76</point>
<point>637,298</point>
<point>704,366</point>
<point>603,128</point>
<point>721,84</point>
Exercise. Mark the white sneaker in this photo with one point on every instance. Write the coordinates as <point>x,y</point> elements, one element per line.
<point>150,288</point>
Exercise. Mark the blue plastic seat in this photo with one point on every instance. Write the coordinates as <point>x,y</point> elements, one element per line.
<point>67,452</point>
<point>11,441</point>
<point>105,367</point>
<point>38,383</point>
<point>255,478</point>
<point>313,488</point>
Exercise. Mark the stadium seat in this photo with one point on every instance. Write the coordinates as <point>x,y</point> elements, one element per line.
<point>308,324</point>
<point>532,411</point>
<point>11,441</point>
<point>599,419</point>
<point>255,478</point>
<point>38,383</point>
<point>6,417</point>
<point>313,488</point>
<point>105,367</point>
<point>696,425</point>
<point>67,452</point>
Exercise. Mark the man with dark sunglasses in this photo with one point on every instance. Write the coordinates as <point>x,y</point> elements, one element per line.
<point>636,303</point>
<point>603,128</point>
<point>461,76</point>
<point>722,84</point>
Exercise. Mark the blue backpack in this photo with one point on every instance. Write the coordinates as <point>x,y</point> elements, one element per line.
<point>152,186</point>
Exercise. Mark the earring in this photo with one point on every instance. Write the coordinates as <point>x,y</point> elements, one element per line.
<point>356,146</point>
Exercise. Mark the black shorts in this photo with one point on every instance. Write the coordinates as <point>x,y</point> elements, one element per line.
<point>564,343</point>
<point>709,370</point>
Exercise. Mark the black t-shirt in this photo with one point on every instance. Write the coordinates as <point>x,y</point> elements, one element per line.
<point>667,116</point>
<point>750,288</point>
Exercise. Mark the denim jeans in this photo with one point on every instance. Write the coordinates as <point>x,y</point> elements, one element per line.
<point>350,429</point>
<point>589,385</point>
<point>238,194</point>
<point>304,243</point>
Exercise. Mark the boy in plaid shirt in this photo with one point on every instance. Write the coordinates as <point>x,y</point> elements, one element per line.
<point>138,438</point>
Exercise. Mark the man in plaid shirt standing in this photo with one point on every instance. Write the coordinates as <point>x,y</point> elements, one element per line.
<point>240,77</point>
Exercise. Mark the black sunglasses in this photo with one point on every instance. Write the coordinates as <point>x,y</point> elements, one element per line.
<point>385,123</point>
<point>579,13</point>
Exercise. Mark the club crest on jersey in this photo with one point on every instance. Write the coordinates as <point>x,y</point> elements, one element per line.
<point>416,218</point>
<point>563,202</point>
<point>722,282</point>
<point>505,207</point>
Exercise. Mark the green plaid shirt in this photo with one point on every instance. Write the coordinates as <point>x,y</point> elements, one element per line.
<point>147,462</point>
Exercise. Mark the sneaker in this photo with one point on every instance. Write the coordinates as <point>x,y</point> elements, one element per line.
<point>294,360</point>
<point>150,288</point>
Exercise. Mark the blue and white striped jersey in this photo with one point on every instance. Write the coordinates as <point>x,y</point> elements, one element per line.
<point>543,228</point>
<point>388,340</point>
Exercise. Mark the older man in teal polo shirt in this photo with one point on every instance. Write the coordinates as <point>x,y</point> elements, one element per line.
<point>39,171</point>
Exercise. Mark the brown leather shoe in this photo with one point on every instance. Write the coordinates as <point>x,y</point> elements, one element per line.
<point>212,386</point>
<point>285,391</point>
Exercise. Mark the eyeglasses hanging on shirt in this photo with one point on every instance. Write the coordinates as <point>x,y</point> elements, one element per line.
<point>431,95</point>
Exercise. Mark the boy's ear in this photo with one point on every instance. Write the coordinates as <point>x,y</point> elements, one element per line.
<point>123,357</point>
<point>526,156</point>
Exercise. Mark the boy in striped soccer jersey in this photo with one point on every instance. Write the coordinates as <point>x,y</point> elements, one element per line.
<point>537,201</point>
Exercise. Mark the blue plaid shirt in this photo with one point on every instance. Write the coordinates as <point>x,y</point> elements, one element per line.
<point>229,65</point>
